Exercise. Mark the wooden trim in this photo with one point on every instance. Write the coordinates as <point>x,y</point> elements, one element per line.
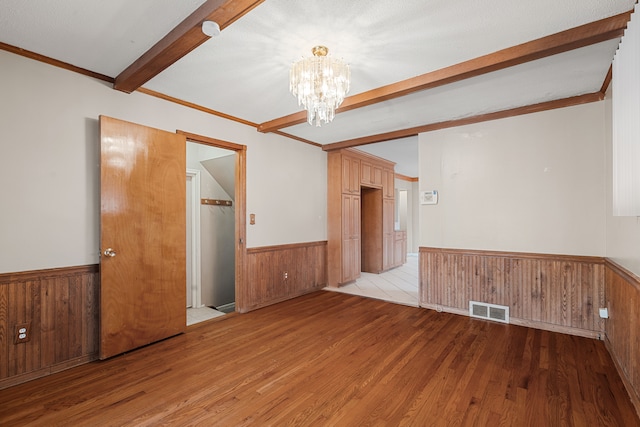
<point>633,396</point>
<point>607,81</point>
<point>58,367</point>
<point>574,38</point>
<point>596,335</point>
<point>194,106</point>
<point>217,113</point>
<point>263,304</point>
<point>287,135</point>
<point>363,155</point>
<point>625,274</point>
<point>55,62</point>
<point>88,73</point>
<point>48,273</point>
<point>214,142</point>
<point>527,109</point>
<point>520,322</point>
<point>263,249</point>
<point>241,284</point>
<point>516,255</point>
<point>406,178</point>
<point>181,40</point>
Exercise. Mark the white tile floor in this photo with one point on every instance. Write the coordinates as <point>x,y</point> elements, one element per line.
<point>197,315</point>
<point>399,285</point>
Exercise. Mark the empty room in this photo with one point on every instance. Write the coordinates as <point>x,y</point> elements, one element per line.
<point>276,212</point>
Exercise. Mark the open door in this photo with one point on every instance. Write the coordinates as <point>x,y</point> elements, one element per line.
<point>142,235</point>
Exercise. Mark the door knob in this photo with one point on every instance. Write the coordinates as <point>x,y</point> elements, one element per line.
<point>109,252</point>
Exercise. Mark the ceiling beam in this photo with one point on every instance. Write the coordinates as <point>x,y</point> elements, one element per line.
<point>584,35</point>
<point>181,40</point>
<point>414,131</point>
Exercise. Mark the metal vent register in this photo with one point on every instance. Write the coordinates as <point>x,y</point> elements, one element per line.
<point>482,310</point>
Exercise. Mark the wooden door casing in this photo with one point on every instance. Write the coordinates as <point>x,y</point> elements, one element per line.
<point>143,219</point>
<point>388,234</point>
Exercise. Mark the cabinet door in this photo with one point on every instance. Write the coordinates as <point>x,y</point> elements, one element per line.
<point>350,237</point>
<point>350,175</point>
<point>370,174</point>
<point>400,249</point>
<point>388,183</point>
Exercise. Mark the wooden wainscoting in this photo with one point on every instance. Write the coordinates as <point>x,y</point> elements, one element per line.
<point>278,273</point>
<point>554,292</point>
<point>61,307</point>
<point>623,326</point>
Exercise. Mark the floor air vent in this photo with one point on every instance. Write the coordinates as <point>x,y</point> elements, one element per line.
<point>482,310</point>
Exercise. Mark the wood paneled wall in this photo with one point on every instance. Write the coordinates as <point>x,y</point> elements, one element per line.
<point>305,266</point>
<point>623,326</point>
<point>61,306</point>
<point>553,292</point>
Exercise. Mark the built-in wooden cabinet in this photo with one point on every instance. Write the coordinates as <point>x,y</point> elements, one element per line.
<point>360,215</point>
<point>400,248</point>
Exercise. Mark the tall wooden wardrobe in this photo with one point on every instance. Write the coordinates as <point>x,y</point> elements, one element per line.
<point>361,209</point>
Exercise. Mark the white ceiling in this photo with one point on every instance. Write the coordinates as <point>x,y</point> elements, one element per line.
<point>244,71</point>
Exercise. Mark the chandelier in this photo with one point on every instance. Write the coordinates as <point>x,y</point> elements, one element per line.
<point>320,83</point>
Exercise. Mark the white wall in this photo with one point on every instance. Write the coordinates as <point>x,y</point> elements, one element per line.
<point>533,183</point>
<point>49,154</point>
<point>413,232</point>
<point>623,232</point>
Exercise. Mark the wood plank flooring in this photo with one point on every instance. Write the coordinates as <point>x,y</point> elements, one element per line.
<point>331,359</point>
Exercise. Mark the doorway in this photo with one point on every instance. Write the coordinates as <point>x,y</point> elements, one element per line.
<point>371,230</point>
<point>220,202</point>
<point>210,231</point>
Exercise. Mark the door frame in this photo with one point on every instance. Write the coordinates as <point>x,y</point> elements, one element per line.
<point>241,286</point>
<point>196,273</point>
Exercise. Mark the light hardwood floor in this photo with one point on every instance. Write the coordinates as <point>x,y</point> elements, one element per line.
<point>331,359</point>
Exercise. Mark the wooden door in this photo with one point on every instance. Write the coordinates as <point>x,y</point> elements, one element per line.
<point>371,230</point>
<point>142,234</point>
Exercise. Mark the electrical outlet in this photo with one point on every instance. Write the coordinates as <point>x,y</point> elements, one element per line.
<point>22,333</point>
<point>285,276</point>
